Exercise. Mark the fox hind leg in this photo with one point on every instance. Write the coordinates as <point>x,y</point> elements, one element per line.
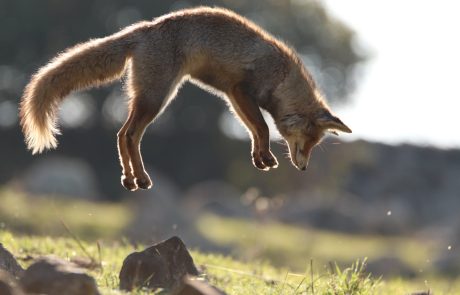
<point>127,178</point>
<point>142,113</point>
<point>144,108</point>
<point>142,116</point>
<point>150,86</point>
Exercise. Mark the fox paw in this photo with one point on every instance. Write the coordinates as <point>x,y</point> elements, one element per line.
<point>264,160</point>
<point>128,183</point>
<point>144,182</point>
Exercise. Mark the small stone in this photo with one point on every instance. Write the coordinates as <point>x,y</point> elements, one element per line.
<point>9,263</point>
<point>162,265</point>
<point>8,284</point>
<point>52,276</point>
<point>193,286</point>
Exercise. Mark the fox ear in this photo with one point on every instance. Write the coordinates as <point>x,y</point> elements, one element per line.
<point>329,121</point>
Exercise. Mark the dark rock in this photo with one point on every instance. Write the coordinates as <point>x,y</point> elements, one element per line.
<point>8,284</point>
<point>162,265</point>
<point>421,293</point>
<point>53,276</point>
<point>193,286</point>
<point>9,263</point>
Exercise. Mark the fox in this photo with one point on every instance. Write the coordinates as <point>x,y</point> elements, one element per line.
<point>213,48</point>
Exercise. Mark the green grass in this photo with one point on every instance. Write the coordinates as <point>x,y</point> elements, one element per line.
<point>44,215</point>
<point>283,244</point>
<point>267,257</point>
<point>233,276</point>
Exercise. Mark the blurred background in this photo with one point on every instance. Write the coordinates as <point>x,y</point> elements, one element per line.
<point>389,192</point>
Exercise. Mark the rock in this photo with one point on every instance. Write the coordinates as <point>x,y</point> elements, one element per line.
<point>162,265</point>
<point>421,293</point>
<point>9,263</point>
<point>193,286</point>
<point>53,276</point>
<point>8,284</point>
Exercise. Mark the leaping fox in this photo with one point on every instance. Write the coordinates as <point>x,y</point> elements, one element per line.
<point>214,48</point>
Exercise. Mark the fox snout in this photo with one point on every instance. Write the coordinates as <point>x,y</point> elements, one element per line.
<point>302,158</point>
<point>300,155</point>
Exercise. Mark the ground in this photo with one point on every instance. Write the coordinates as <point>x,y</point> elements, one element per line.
<point>294,261</point>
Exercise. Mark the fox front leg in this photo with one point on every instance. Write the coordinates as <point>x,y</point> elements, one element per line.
<point>247,109</point>
<point>264,160</point>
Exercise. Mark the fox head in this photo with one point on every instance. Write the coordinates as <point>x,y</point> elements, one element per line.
<point>302,133</point>
<point>301,114</point>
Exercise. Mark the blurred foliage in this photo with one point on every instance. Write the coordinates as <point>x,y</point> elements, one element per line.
<point>34,31</point>
<point>47,216</point>
<point>283,244</point>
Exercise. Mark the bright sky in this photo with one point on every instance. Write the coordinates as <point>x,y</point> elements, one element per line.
<point>410,90</point>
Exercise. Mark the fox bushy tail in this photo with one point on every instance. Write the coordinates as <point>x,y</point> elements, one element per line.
<point>88,64</point>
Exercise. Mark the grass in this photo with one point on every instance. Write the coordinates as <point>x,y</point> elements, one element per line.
<point>281,244</point>
<point>268,257</point>
<point>43,215</point>
<point>232,276</point>
<point>284,244</point>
